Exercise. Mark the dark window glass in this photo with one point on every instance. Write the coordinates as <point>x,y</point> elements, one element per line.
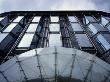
<point>83,40</point>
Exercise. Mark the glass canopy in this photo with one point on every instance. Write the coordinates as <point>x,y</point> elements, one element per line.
<point>52,63</point>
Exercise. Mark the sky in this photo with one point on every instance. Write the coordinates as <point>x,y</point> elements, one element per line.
<point>45,5</point>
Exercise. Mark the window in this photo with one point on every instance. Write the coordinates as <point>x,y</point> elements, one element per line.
<point>108,18</point>
<point>106,36</point>
<point>1,18</point>
<point>18,18</point>
<point>10,27</point>
<point>54,40</point>
<point>32,28</point>
<point>108,27</point>
<point>104,21</point>
<point>54,19</point>
<point>103,41</point>
<point>54,27</point>
<point>36,19</point>
<point>89,19</point>
<point>72,19</point>
<point>76,27</point>
<point>26,40</point>
<point>2,36</point>
<point>83,40</point>
<point>93,29</point>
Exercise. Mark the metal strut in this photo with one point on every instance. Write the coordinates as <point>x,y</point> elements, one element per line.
<point>39,66</point>
<point>55,63</point>
<point>90,68</point>
<point>107,77</point>
<point>72,66</point>
<point>19,62</point>
<point>4,76</point>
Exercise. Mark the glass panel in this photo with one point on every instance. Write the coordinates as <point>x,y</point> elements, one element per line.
<point>108,18</point>
<point>54,27</point>
<point>29,63</point>
<point>108,27</point>
<point>36,19</point>
<point>54,19</point>
<point>26,40</point>
<point>2,36</point>
<point>54,40</point>
<point>10,27</point>
<point>76,27</point>
<point>72,19</point>
<point>103,42</point>
<point>104,21</point>
<point>93,29</point>
<point>98,27</point>
<point>1,18</point>
<point>32,28</point>
<point>90,19</point>
<point>18,18</point>
<point>83,40</point>
<point>106,36</point>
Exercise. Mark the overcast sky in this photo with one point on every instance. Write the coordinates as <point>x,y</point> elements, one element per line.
<point>34,5</point>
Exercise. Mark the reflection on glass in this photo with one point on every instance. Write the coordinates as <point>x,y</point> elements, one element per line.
<point>54,27</point>
<point>104,21</point>
<point>89,19</point>
<point>32,27</point>
<point>10,27</point>
<point>54,40</point>
<point>26,40</point>
<point>108,27</point>
<point>103,41</point>
<point>93,29</point>
<point>36,19</point>
<point>54,19</point>
<point>2,36</point>
<point>98,27</point>
<point>108,18</point>
<point>72,19</point>
<point>1,18</point>
<point>83,40</point>
<point>76,27</point>
<point>18,18</point>
<point>106,36</point>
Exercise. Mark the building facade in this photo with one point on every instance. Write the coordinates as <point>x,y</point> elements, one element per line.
<point>88,31</point>
<point>55,46</point>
